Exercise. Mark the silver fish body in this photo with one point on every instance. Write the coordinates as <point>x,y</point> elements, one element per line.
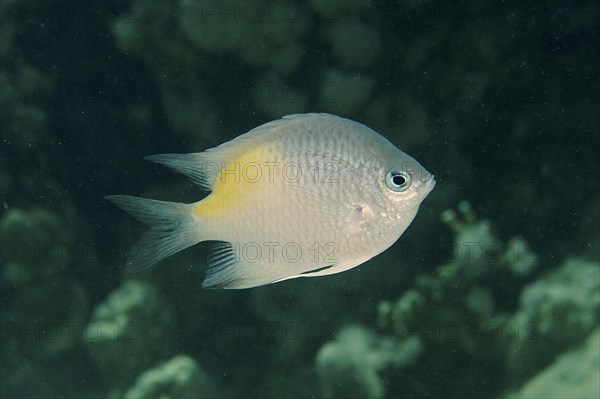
<point>306,195</point>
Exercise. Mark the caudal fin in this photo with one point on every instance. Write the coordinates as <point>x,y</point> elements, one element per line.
<point>172,229</point>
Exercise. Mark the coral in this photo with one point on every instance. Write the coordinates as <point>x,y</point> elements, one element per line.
<point>349,367</point>
<point>260,33</point>
<point>556,311</point>
<point>456,285</point>
<point>453,315</point>
<point>24,90</point>
<point>180,377</point>
<point>31,239</point>
<point>574,374</point>
<point>36,253</point>
<point>38,250</point>
<point>147,31</point>
<point>129,332</point>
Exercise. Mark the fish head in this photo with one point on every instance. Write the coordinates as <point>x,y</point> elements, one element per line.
<point>404,183</point>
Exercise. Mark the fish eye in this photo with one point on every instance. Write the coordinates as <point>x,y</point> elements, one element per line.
<point>397,180</point>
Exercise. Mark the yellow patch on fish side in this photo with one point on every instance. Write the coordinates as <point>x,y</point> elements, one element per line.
<point>238,183</point>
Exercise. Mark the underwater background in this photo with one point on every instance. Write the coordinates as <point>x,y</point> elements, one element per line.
<point>494,290</point>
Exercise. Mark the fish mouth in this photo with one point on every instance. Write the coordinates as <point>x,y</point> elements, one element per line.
<point>426,187</point>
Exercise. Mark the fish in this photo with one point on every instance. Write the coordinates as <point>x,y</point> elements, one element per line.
<point>302,196</point>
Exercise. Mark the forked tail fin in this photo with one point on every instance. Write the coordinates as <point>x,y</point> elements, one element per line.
<point>172,229</point>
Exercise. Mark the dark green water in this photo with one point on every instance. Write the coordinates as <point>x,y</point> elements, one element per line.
<point>497,99</point>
